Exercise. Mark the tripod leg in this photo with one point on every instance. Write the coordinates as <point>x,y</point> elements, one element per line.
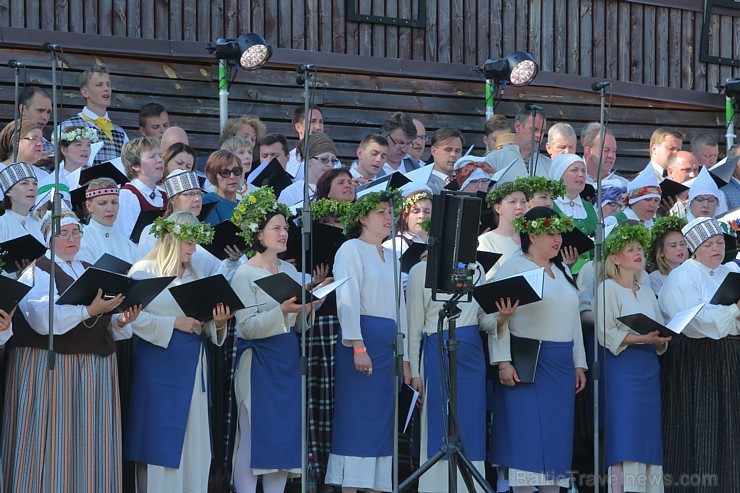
<point>472,470</point>
<point>422,469</point>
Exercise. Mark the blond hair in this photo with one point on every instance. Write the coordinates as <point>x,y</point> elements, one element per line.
<point>611,270</point>
<point>233,144</point>
<point>166,251</point>
<point>233,124</point>
<point>131,153</point>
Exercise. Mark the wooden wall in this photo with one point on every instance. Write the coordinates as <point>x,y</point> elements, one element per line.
<point>653,42</point>
<point>356,93</point>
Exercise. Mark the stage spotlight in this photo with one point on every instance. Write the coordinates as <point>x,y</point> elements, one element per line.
<point>518,69</point>
<point>732,88</point>
<point>250,50</point>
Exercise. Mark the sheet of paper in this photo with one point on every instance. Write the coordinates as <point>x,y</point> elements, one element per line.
<point>324,291</point>
<point>535,278</point>
<point>681,319</point>
<point>73,179</point>
<point>94,150</point>
<point>411,407</point>
<point>118,164</point>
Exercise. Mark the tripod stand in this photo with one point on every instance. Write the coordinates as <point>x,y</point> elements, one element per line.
<point>452,448</point>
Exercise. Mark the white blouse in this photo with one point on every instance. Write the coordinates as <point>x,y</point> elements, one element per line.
<point>130,208</point>
<point>98,240</point>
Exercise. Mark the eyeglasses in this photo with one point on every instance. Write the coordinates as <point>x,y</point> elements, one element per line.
<point>422,138</point>
<point>74,235</point>
<point>194,194</point>
<point>708,200</point>
<point>326,161</point>
<point>236,171</point>
<point>33,139</point>
<point>399,146</point>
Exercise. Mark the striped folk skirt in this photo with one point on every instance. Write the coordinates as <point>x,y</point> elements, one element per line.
<point>78,404</point>
<point>701,421</point>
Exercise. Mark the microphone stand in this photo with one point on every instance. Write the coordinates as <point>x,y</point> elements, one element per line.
<point>598,267</point>
<point>55,227</point>
<point>308,79</point>
<point>534,153</point>
<point>16,123</point>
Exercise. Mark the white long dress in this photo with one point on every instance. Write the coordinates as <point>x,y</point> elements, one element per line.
<point>156,325</point>
<point>369,291</point>
<point>98,240</point>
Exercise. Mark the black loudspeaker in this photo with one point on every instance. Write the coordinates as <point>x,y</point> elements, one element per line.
<point>453,242</point>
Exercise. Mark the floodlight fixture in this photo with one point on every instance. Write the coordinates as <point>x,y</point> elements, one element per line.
<point>518,69</point>
<point>250,50</point>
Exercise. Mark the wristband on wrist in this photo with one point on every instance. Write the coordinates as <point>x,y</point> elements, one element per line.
<point>359,350</point>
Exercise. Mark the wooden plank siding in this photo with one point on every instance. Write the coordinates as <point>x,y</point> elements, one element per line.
<point>355,99</point>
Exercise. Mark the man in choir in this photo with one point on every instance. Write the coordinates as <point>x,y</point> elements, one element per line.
<point>446,150</point>
<point>495,126</point>
<point>273,146</point>
<point>732,189</point>
<point>315,125</point>
<point>664,143</point>
<point>371,155</point>
<point>682,166</point>
<point>400,132</point>
<point>34,104</point>
<point>705,148</point>
<point>418,145</point>
<point>95,87</point>
<point>561,139</point>
<point>591,140</point>
<point>153,120</point>
<point>522,155</point>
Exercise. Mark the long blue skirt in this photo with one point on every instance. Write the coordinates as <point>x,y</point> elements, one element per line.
<point>533,423</point>
<point>471,392</point>
<point>633,424</point>
<point>275,378</point>
<point>363,405</point>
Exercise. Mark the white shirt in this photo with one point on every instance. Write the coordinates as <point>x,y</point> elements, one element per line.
<point>294,193</point>
<point>98,240</point>
<point>658,170</point>
<point>13,225</point>
<point>612,220</point>
<point>572,208</point>
<point>502,158</point>
<point>294,165</point>
<point>35,305</point>
<point>388,169</point>
<point>129,207</point>
<point>692,283</point>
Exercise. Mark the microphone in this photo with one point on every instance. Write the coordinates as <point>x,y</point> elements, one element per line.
<point>309,67</point>
<point>16,64</point>
<point>598,86</point>
<point>532,107</point>
<point>49,47</point>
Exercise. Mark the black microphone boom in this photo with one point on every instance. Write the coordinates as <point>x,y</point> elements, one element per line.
<point>16,64</point>
<point>598,86</point>
<point>49,47</point>
<point>532,107</point>
<point>309,67</point>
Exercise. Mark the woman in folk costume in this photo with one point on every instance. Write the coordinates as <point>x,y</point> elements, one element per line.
<point>417,206</point>
<point>422,316</point>
<point>700,370</point>
<point>78,400</point>
<point>541,192</point>
<point>633,440</point>
<point>362,435</point>
<point>184,194</point>
<point>473,174</point>
<point>704,197</point>
<point>533,425</point>
<point>509,201</point>
<point>167,432</point>
<point>643,198</point>
<point>571,170</point>
<point>268,377</point>
<point>100,235</point>
<point>75,148</point>
<point>667,249</point>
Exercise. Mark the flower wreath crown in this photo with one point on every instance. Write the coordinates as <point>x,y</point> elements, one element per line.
<point>252,210</point>
<point>497,194</point>
<point>409,202</point>
<point>323,208</point>
<point>624,234</point>
<point>544,225</point>
<point>534,184</point>
<point>77,134</point>
<point>664,225</point>
<point>369,202</point>
<point>201,233</point>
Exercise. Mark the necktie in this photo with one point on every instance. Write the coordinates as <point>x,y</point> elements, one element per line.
<point>103,124</point>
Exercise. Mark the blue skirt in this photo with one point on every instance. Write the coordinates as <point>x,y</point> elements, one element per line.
<point>161,390</point>
<point>363,406</point>
<point>275,377</point>
<point>633,423</point>
<point>533,423</point>
<point>471,392</point>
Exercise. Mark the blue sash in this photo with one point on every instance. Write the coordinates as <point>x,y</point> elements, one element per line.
<point>533,425</point>
<point>471,392</point>
<point>161,391</point>
<point>633,421</point>
<point>363,406</point>
<point>275,377</point>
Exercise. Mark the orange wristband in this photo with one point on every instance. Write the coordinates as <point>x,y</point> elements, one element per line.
<point>360,350</point>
